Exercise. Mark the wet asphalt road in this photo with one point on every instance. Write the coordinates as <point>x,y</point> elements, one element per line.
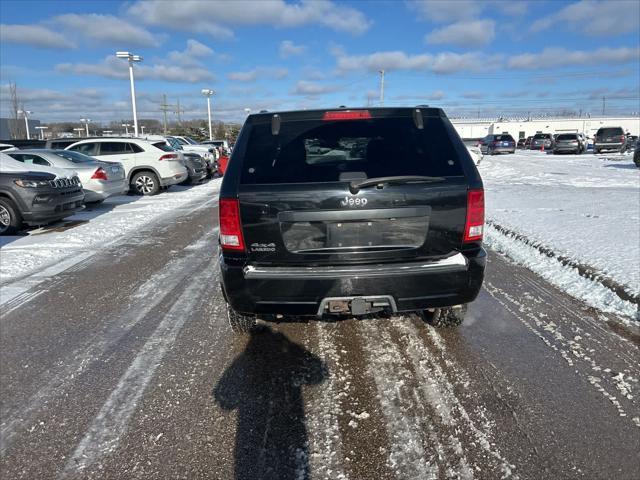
<point>123,366</point>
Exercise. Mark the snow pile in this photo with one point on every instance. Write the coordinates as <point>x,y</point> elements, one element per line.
<point>117,218</point>
<point>574,219</point>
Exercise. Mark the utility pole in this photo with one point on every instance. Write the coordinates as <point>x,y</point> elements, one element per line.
<point>603,102</point>
<point>164,108</point>
<point>381,87</point>
<point>178,112</point>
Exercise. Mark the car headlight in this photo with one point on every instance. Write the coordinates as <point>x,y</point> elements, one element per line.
<point>31,183</point>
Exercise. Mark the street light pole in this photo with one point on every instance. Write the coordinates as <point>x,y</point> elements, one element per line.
<point>208,93</point>
<point>86,124</point>
<point>26,121</point>
<point>132,58</point>
<point>41,129</point>
<point>126,128</point>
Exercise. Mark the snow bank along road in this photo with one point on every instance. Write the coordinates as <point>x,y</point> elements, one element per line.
<point>123,367</point>
<point>573,219</point>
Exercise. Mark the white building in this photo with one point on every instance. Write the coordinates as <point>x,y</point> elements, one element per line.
<point>522,128</point>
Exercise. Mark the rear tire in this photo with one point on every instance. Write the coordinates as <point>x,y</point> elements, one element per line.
<point>10,218</point>
<point>240,323</point>
<point>145,183</point>
<point>446,317</point>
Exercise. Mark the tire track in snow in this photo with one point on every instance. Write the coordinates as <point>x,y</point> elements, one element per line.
<point>111,422</point>
<point>323,409</point>
<point>569,349</point>
<point>408,457</point>
<point>438,388</point>
<point>147,297</point>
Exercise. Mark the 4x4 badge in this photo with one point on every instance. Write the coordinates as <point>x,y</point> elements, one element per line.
<point>353,202</point>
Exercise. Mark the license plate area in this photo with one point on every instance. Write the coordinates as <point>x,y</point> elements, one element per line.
<point>355,235</point>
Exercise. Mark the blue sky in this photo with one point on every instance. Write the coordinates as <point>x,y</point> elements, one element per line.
<point>486,58</point>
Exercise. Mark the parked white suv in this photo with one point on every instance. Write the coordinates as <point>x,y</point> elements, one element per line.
<point>149,165</point>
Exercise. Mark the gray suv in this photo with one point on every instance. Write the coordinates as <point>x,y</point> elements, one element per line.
<point>610,138</point>
<point>36,198</point>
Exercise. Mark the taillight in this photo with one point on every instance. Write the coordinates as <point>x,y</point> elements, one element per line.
<point>622,138</point>
<point>230,225</point>
<point>169,156</point>
<point>99,174</point>
<point>347,115</point>
<point>474,225</point>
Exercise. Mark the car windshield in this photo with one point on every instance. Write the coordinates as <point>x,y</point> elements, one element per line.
<point>504,138</point>
<point>542,135</point>
<point>319,151</point>
<point>75,157</point>
<point>190,140</point>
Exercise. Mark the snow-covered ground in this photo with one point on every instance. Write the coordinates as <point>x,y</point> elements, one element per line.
<point>582,209</point>
<point>57,247</point>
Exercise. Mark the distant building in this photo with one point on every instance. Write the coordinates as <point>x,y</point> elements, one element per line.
<point>523,128</point>
<point>9,126</point>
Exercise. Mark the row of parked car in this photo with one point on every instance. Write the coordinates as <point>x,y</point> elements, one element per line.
<point>38,186</point>
<point>606,138</point>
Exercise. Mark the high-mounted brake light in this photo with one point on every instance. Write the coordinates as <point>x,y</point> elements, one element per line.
<point>347,115</point>
<point>230,226</point>
<point>169,156</point>
<point>99,174</point>
<point>474,226</point>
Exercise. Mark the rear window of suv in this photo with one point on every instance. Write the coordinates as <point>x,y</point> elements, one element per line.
<point>504,138</point>
<point>320,151</point>
<point>610,132</point>
<point>542,135</point>
<point>567,136</point>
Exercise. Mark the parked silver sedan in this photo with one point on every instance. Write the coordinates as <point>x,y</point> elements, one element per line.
<point>100,179</point>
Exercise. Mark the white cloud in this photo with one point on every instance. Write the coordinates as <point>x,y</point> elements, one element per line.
<point>473,95</point>
<point>468,33</point>
<point>106,29</point>
<point>395,60</point>
<point>33,35</point>
<point>115,68</point>
<point>259,73</point>
<point>446,10</point>
<point>214,18</point>
<point>595,18</point>
<point>436,95</point>
<point>289,49</point>
<point>312,89</point>
<point>193,55</point>
<point>441,63</point>
<point>561,57</point>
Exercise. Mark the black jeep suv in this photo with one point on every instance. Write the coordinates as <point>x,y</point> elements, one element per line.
<point>36,198</point>
<point>350,212</point>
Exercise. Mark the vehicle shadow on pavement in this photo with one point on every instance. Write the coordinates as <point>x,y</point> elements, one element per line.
<point>264,383</point>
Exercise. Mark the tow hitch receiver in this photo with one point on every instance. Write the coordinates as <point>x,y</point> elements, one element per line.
<point>356,305</point>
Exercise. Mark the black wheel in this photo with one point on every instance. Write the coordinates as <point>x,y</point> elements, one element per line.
<point>145,183</point>
<point>240,323</point>
<point>445,317</point>
<point>10,218</point>
<point>636,157</point>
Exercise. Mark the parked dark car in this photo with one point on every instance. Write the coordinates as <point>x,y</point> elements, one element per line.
<point>610,138</point>
<point>636,154</point>
<point>386,215</point>
<point>521,143</point>
<point>527,142</point>
<point>36,198</point>
<point>568,143</point>
<point>196,167</point>
<point>541,140</point>
<point>503,143</point>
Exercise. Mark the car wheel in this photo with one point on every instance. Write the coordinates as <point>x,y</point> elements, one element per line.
<point>145,183</point>
<point>240,323</point>
<point>10,218</point>
<point>445,317</point>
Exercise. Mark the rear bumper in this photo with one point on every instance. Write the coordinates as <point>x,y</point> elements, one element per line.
<point>300,290</point>
<point>95,191</point>
<point>175,179</point>
<point>608,146</point>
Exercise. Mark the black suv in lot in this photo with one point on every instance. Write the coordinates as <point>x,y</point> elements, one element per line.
<point>350,212</point>
<point>36,198</point>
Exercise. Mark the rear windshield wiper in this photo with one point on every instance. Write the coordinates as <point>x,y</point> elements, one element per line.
<point>355,186</point>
